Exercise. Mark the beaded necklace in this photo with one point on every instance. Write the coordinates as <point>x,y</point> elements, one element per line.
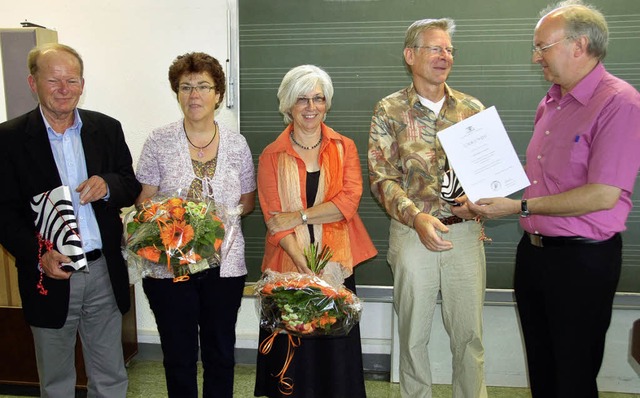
<point>305,147</point>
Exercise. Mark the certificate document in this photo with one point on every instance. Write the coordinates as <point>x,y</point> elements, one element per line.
<point>482,156</point>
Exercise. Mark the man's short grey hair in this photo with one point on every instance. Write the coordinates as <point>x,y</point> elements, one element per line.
<point>298,82</point>
<point>412,37</point>
<point>36,52</point>
<point>583,20</point>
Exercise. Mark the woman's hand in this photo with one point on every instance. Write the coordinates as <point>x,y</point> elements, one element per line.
<point>283,221</point>
<point>290,246</point>
<point>302,267</point>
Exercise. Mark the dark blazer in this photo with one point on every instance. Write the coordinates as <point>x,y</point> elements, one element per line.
<point>28,168</point>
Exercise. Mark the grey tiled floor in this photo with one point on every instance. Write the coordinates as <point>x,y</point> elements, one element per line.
<point>146,376</point>
<point>146,380</point>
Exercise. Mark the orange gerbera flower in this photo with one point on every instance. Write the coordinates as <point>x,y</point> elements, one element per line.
<point>177,212</point>
<point>149,210</point>
<point>150,253</point>
<point>176,234</point>
<point>326,319</point>
<point>174,202</point>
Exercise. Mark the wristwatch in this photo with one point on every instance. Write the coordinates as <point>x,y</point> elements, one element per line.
<point>303,215</point>
<point>524,209</point>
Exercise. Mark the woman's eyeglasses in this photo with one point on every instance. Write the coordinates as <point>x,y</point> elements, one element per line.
<point>317,100</point>
<point>201,89</point>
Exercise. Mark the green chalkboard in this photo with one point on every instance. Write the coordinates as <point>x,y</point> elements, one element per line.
<point>359,43</point>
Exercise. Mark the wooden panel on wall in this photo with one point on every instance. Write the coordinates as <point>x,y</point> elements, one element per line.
<point>9,294</point>
<point>17,355</point>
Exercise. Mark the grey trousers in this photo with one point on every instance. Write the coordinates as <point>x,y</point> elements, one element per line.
<point>93,313</point>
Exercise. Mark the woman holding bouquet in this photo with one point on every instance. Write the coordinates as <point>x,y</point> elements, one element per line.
<point>214,164</point>
<point>310,184</point>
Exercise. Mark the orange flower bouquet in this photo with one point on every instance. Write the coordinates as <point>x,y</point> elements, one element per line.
<point>305,305</point>
<point>173,237</point>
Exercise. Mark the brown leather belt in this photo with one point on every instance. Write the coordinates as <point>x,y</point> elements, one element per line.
<point>559,241</point>
<point>451,220</point>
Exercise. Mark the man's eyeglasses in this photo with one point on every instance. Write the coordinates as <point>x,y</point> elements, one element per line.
<point>437,50</point>
<point>317,100</point>
<point>540,50</point>
<point>201,89</point>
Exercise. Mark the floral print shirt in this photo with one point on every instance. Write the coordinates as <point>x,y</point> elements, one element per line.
<point>406,160</point>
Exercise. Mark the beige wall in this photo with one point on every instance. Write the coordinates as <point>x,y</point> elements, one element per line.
<point>127,47</point>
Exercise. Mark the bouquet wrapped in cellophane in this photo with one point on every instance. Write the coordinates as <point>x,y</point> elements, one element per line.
<point>306,305</point>
<point>174,237</point>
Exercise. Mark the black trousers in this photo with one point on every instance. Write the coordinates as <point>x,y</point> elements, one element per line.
<point>565,296</point>
<point>205,305</point>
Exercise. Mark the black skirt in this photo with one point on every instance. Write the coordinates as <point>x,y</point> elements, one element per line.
<point>321,367</point>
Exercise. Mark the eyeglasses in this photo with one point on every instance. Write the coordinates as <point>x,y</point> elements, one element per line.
<point>437,50</point>
<point>543,49</point>
<point>317,100</point>
<point>201,89</point>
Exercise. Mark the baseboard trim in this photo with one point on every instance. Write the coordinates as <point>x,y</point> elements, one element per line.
<point>374,364</point>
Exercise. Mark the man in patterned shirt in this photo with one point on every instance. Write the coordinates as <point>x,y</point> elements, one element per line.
<point>433,245</point>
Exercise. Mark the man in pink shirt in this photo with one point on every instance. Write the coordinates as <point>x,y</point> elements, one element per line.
<point>582,162</point>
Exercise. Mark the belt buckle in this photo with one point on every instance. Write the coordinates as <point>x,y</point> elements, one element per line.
<point>536,240</point>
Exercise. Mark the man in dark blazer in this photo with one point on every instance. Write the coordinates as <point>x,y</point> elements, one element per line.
<point>59,144</point>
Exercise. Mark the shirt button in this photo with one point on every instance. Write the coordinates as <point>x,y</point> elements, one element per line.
<point>535,181</point>
<point>539,157</point>
<point>547,132</point>
<point>559,107</point>
<point>536,232</point>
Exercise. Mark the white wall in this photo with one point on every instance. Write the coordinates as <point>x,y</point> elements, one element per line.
<point>127,47</point>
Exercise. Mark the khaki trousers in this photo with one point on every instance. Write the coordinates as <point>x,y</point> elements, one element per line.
<point>460,276</point>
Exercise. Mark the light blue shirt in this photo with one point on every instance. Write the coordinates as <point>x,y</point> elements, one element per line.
<point>72,168</point>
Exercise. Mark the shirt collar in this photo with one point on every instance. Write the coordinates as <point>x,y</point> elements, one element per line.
<point>412,96</point>
<point>583,91</point>
<point>283,142</point>
<point>76,126</point>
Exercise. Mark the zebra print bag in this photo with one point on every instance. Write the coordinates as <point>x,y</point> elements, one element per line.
<point>451,187</point>
<point>56,224</point>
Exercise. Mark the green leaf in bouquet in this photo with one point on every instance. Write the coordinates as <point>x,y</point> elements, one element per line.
<point>132,227</point>
<point>146,234</point>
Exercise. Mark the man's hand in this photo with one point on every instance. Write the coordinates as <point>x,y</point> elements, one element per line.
<point>462,210</point>
<point>95,188</point>
<point>427,226</point>
<point>495,207</point>
<point>51,262</point>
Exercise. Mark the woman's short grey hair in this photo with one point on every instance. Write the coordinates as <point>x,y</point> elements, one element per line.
<point>412,37</point>
<point>583,20</point>
<point>298,82</point>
